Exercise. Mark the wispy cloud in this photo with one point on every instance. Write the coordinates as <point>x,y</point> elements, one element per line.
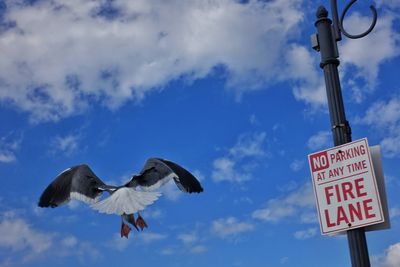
<point>236,166</point>
<point>168,251</point>
<point>118,243</point>
<point>192,242</point>
<point>225,169</point>
<point>384,117</point>
<point>388,3</point>
<point>148,238</point>
<point>198,249</point>
<point>9,145</point>
<point>394,212</point>
<point>249,145</point>
<point>297,202</point>
<point>296,165</point>
<point>230,227</point>
<point>67,145</point>
<point>305,234</point>
<point>322,139</point>
<point>188,238</point>
<point>171,191</point>
<point>153,213</point>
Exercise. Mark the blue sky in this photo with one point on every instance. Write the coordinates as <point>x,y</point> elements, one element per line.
<point>229,89</point>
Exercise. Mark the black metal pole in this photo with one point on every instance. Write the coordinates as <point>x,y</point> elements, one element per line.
<point>326,42</point>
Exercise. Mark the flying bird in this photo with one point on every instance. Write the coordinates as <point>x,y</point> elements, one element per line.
<point>81,183</point>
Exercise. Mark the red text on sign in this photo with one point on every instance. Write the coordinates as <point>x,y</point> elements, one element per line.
<point>319,161</point>
<point>349,213</point>
<point>345,191</point>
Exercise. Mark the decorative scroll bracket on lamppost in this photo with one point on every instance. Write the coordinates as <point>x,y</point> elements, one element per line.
<point>325,42</point>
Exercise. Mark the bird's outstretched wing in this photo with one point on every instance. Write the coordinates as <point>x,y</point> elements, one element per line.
<point>156,172</point>
<point>77,182</point>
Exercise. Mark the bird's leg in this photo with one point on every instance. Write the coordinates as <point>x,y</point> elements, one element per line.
<point>140,222</point>
<point>125,229</point>
<point>131,219</point>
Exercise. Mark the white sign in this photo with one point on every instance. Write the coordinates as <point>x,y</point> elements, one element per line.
<point>345,187</point>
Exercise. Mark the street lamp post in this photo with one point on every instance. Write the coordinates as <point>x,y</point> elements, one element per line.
<point>325,41</point>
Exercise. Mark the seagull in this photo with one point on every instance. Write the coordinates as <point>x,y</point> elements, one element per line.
<point>81,183</point>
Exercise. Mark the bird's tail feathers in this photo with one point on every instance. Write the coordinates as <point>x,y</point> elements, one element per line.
<point>126,200</point>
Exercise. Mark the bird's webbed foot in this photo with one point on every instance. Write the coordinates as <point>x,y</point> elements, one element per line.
<point>125,229</point>
<point>140,222</point>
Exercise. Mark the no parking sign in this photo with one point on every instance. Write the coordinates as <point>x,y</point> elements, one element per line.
<point>345,187</point>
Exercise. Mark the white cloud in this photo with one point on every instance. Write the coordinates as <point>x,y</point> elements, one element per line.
<point>296,165</point>
<point>192,243</point>
<point>171,191</point>
<point>25,243</point>
<point>118,243</point>
<point>305,234</point>
<point>384,38</point>
<point>151,237</point>
<point>153,213</point>
<point>225,170</point>
<point>388,3</point>
<point>198,249</point>
<point>383,114</point>
<point>249,146</point>
<point>66,218</point>
<point>188,238</point>
<point>274,212</point>
<point>53,70</point>
<point>68,144</point>
<point>7,157</point>
<point>253,120</point>
<point>309,217</point>
<point>230,227</point>
<point>394,212</point>
<point>18,236</point>
<point>303,68</point>
<point>284,260</point>
<point>168,251</point>
<point>69,241</point>
<point>384,117</point>
<point>391,146</point>
<point>297,202</point>
<point>236,166</point>
<point>319,140</point>
<point>199,175</point>
<point>391,257</point>
<point>8,147</point>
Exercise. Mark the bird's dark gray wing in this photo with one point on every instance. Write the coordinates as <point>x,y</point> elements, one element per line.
<point>156,172</point>
<point>77,182</point>
<point>184,179</point>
